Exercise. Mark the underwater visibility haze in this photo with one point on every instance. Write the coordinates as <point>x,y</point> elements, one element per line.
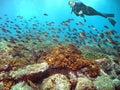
<point>52,45</point>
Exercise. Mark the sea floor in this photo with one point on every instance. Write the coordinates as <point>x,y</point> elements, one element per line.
<point>49,66</point>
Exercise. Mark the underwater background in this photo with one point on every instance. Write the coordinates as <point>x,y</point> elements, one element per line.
<point>58,11</point>
<point>41,40</point>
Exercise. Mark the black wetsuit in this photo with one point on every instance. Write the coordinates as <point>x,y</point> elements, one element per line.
<point>87,10</point>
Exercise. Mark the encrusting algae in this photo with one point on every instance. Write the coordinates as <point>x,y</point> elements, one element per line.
<point>71,58</point>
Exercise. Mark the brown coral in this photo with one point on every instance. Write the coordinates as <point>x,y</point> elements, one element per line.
<point>71,58</point>
<point>61,59</point>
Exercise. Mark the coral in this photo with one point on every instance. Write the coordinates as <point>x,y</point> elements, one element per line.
<point>29,70</point>
<point>105,64</point>
<point>109,66</point>
<point>21,86</point>
<point>95,55</point>
<point>10,63</point>
<point>28,74</point>
<point>66,61</point>
<point>117,84</point>
<point>7,85</point>
<point>55,82</point>
<point>1,85</point>
<point>104,83</point>
<point>70,57</point>
<point>84,84</point>
<point>92,52</point>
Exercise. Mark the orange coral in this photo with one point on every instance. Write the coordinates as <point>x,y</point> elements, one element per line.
<point>70,57</point>
<point>7,85</point>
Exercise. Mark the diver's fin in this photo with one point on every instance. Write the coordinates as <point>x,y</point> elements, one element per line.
<point>113,22</point>
<point>109,15</point>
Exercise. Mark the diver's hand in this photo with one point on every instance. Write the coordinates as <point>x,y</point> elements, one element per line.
<point>80,12</point>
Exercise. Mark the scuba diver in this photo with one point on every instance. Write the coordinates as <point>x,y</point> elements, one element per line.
<point>80,9</point>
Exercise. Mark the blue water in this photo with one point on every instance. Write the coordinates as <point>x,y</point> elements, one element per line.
<point>58,11</point>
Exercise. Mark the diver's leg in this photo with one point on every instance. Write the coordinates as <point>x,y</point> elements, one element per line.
<point>91,11</point>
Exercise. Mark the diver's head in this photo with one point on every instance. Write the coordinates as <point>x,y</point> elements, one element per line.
<point>71,3</point>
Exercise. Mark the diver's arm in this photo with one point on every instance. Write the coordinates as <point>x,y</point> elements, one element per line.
<point>80,13</point>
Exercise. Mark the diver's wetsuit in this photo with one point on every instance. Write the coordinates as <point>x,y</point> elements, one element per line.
<point>87,10</point>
